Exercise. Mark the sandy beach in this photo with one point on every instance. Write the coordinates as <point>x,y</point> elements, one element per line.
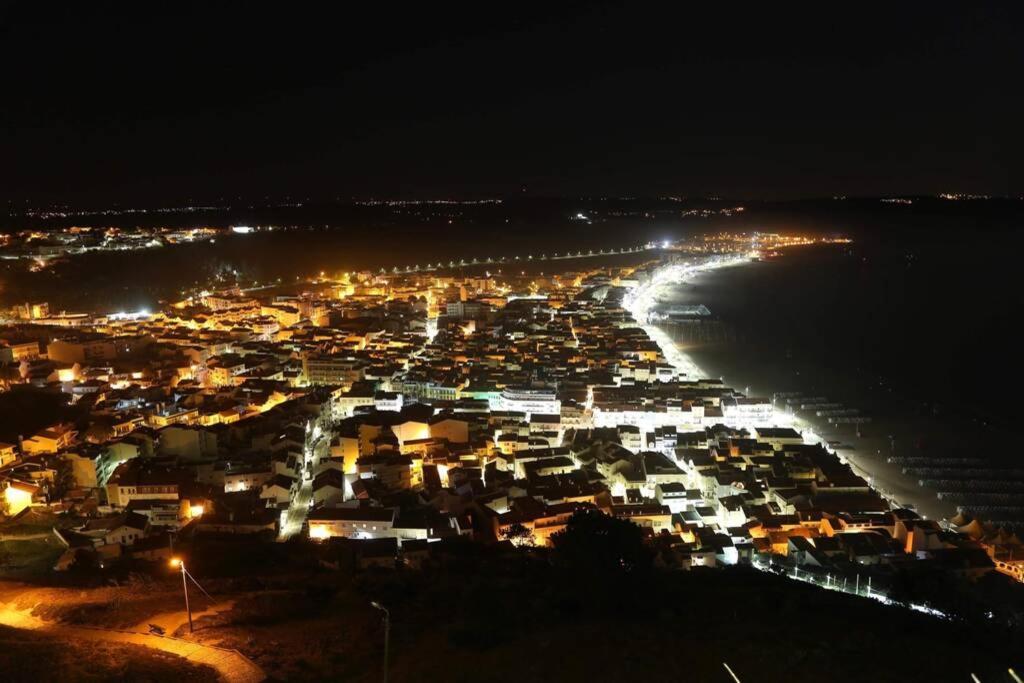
<point>893,428</point>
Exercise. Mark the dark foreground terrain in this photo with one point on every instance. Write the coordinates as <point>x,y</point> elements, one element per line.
<point>303,613</point>
<point>31,656</point>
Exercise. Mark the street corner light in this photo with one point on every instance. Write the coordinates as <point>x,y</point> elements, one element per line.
<point>178,562</point>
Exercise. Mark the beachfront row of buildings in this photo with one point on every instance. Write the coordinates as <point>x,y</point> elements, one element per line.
<point>396,411</point>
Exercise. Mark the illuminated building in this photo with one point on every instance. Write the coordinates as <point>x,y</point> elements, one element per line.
<point>135,480</point>
<point>18,495</point>
<point>50,440</point>
<point>333,369</point>
<point>12,351</point>
<point>81,350</point>
<point>529,401</point>
<point>361,522</point>
<point>8,454</point>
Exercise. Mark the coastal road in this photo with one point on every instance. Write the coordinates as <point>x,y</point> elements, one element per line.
<point>640,300</point>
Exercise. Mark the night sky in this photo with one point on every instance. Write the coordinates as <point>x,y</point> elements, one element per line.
<point>138,102</point>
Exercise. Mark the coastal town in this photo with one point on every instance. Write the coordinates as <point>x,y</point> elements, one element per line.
<point>46,248</point>
<point>568,342</point>
<point>390,412</point>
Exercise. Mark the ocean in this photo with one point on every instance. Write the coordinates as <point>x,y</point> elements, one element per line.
<point>917,336</point>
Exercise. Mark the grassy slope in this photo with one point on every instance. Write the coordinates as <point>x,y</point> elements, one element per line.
<point>24,559</point>
<point>499,618</point>
<point>110,607</point>
<point>474,626</point>
<point>29,656</point>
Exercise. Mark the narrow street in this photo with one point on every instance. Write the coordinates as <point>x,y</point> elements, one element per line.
<point>318,446</point>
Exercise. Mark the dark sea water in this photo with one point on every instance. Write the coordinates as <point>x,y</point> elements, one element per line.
<point>921,336</point>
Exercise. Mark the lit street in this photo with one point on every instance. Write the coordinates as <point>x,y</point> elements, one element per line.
<point>319,444</point>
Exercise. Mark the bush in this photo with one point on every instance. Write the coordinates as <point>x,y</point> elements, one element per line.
<point>595,542</point>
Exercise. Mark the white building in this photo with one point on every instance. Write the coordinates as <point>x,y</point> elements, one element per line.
<point>648,420</point>
<point>529,401</point>
<point>747,411</point>
<point>360,522</point>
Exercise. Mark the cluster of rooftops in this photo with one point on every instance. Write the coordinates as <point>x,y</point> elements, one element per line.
<point>369,413</point>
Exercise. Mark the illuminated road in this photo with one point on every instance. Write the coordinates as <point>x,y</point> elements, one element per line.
<point>172,621</point>
<point>439,266</point>
<point>297,511</point>
<point>318,446</point>
<point>861,589</point>
<point>509,260</point>
<point>642,299</point>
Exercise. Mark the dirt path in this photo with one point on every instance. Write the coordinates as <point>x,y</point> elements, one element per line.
<point>230,665</point>
<point>26,537</point>
<point>172,621</point>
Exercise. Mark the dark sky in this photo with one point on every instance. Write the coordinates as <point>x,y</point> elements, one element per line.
<point>158,102</point>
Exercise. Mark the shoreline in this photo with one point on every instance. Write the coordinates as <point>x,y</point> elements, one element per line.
<point>867,455</point>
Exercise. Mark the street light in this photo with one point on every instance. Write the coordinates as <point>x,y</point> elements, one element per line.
<point>178,562</point>
<point>387,634</point>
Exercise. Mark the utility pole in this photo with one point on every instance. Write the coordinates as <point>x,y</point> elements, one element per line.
<point>387,634</point>
<point>184,584</point>
<point>188,607</point>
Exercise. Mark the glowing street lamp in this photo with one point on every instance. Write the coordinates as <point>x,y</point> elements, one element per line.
<point>178,562</point>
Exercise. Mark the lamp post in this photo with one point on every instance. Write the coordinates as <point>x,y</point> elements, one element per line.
<point>177,562</point>
<point>387,634</point>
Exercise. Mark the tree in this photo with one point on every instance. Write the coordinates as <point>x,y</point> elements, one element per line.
<point>519,535</point>
<point>99,432</point>
<point>63,480</point>
<point>595,542</point>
